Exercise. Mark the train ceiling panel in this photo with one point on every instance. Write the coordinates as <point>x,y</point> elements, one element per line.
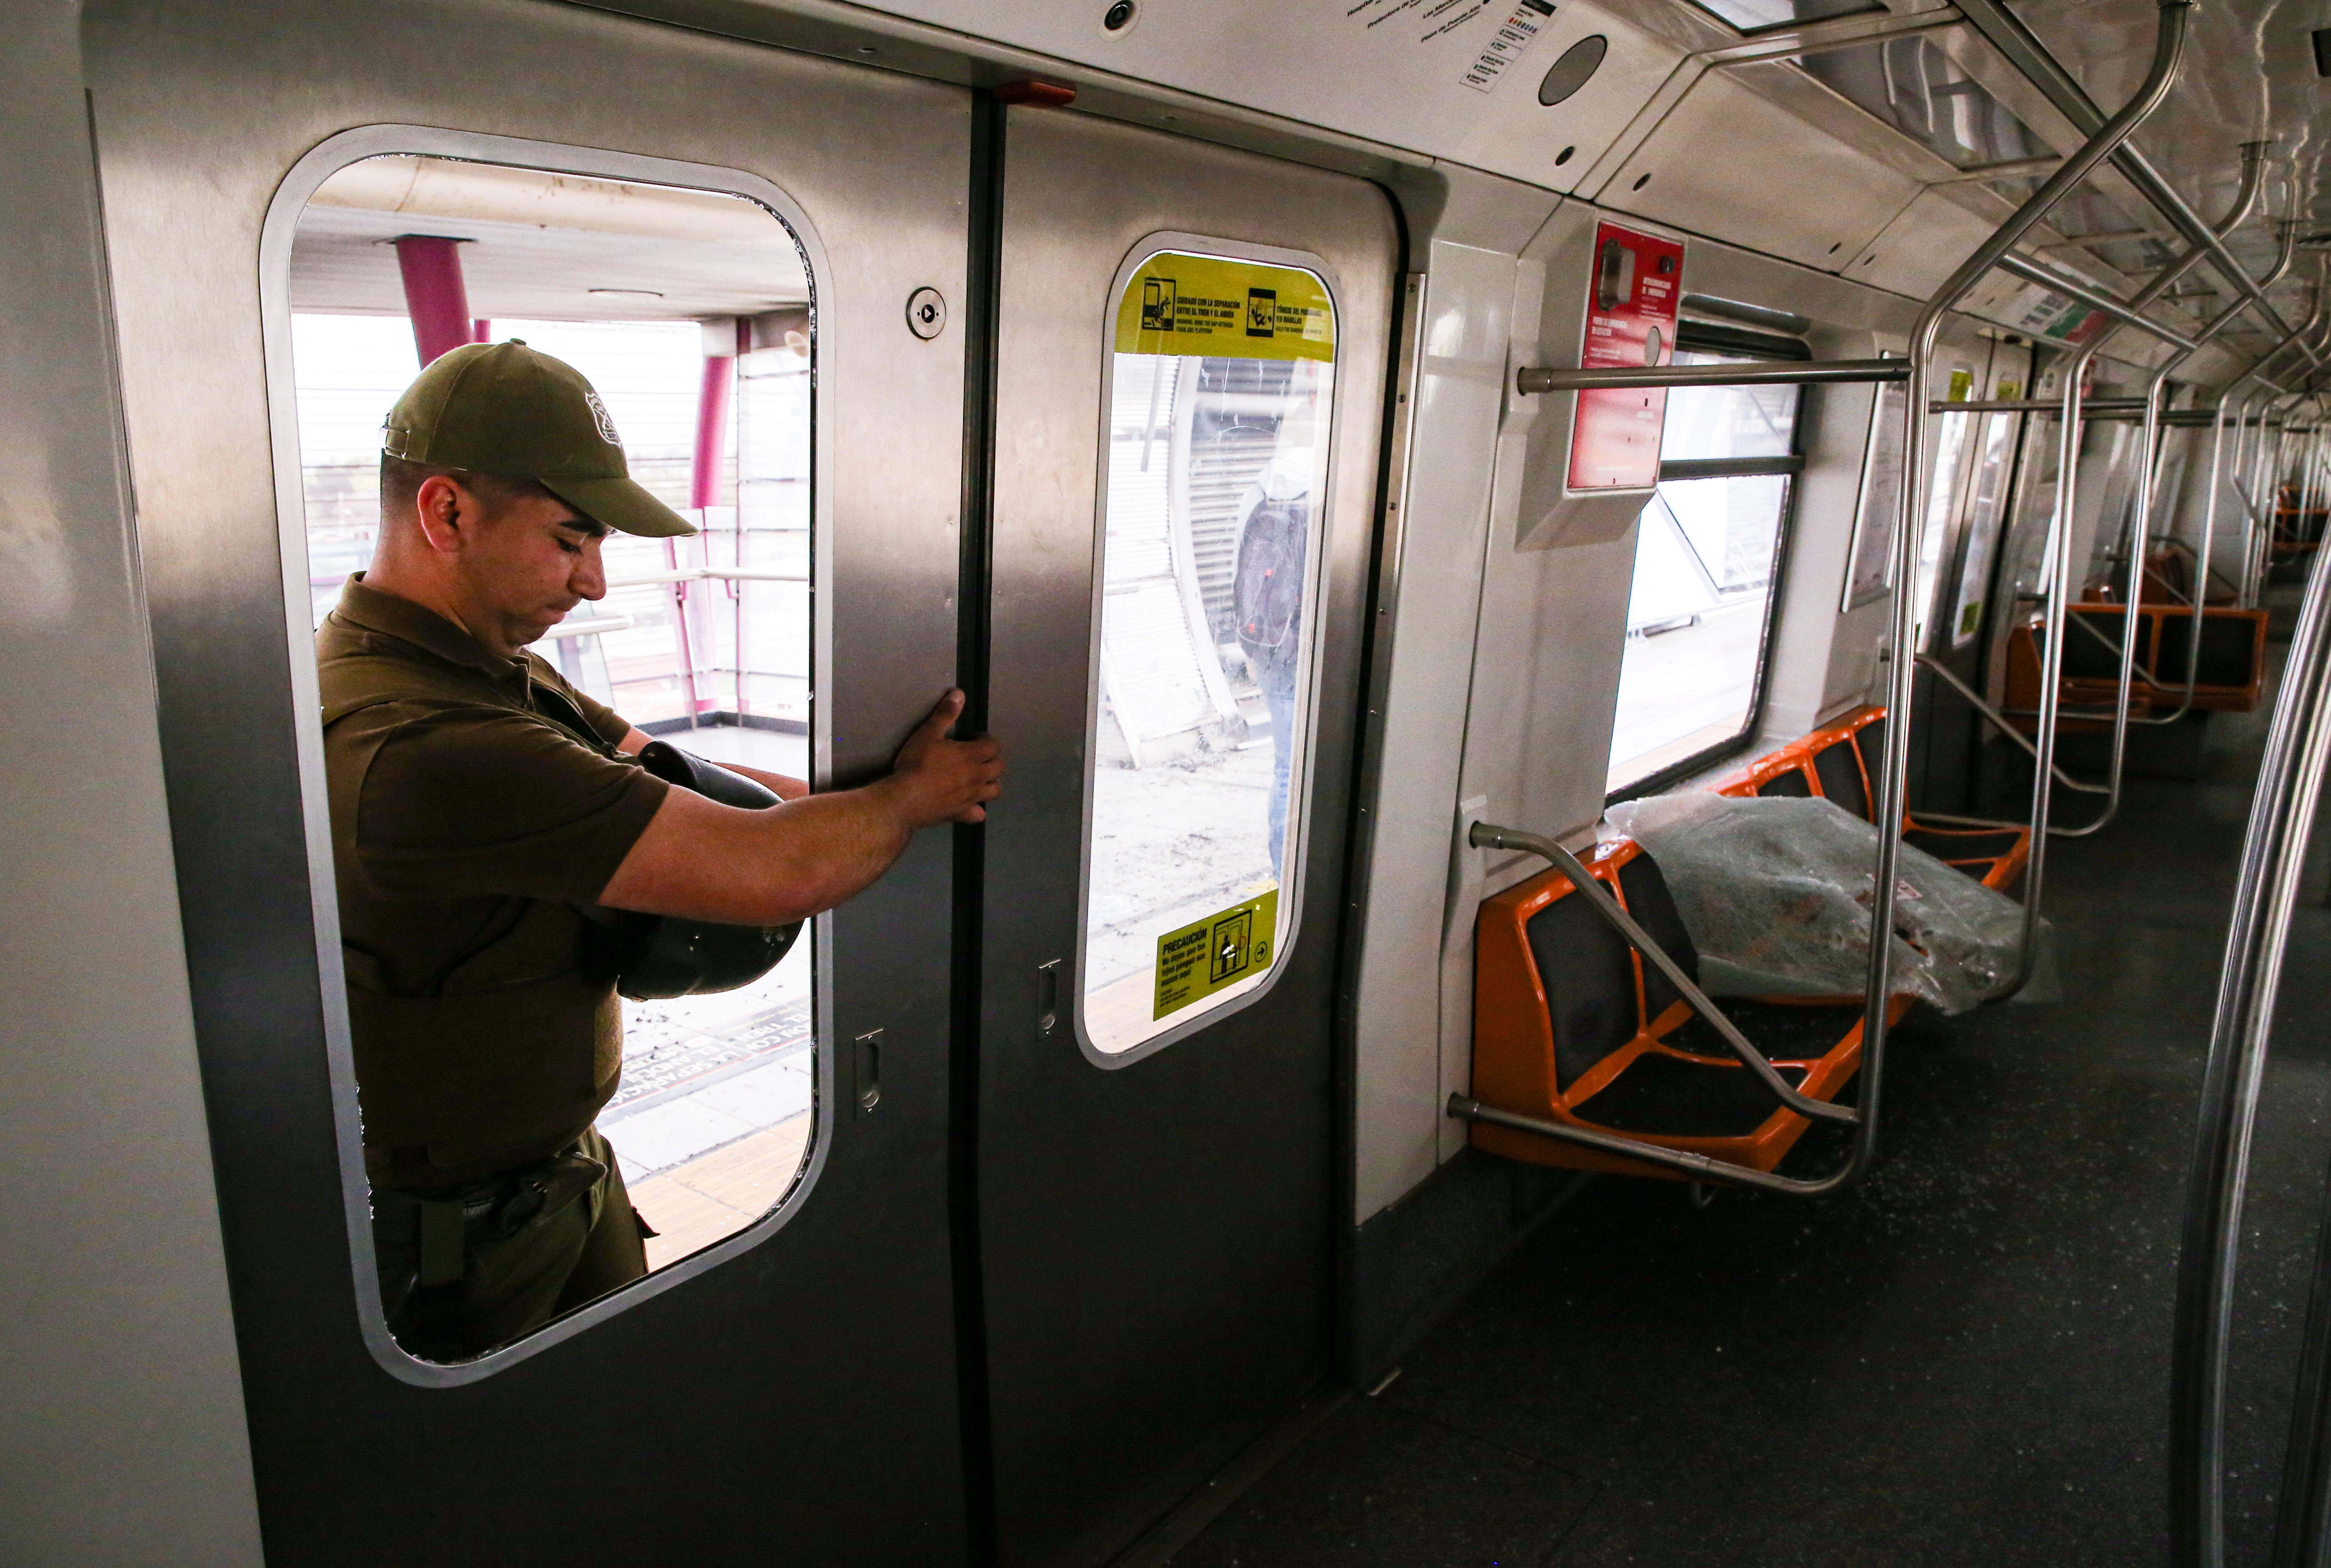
<point>1562,116</point>
<point>1453,79</point>
<point>1922,246</point>
<point>1731,164</point>
<point>540,246</point>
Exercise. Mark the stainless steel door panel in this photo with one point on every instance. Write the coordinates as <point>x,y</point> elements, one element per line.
<point>761,1402</point>
<point>1157,1237</point>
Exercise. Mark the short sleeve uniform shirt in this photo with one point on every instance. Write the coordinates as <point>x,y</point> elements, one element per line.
<point>478,808</point>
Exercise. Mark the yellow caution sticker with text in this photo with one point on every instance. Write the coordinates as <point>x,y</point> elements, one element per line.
<point>1177,303</point>
<point>1215,953</point>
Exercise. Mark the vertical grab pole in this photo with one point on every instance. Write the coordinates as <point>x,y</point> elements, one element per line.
<point>2051,653</point>
<point>2302,1504</point>
<point>2247,435</point>
<point>2290,779</point>
<point>2169,43</point>
<point>2253,153</point>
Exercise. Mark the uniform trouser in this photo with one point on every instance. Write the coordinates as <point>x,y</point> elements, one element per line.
<point>463,1272</point>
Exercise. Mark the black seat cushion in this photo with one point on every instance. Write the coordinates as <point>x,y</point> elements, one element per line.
<point>2229,646</point>
<point>1589,974</point>
<point>1654,909</point>
<point>1791,785</point>
<point>1666,1095</point>
<point>2087,659</point>
<point>1970,846</point>
<point>1870,741</point>
<point>1839,771</point>
<point>1782,1031</point>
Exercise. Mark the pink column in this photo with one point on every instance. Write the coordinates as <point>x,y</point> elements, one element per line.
<point>711,429</point>
<point>434,296</point>
<point>482,330</point>
<point>703,490</point>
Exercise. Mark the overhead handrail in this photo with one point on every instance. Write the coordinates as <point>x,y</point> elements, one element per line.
<point>1533,382</point>
<point>2169,42</point>
<point>2127,313</point>
<point>1489,836</point>
<point>2023,50</point>
<point>2274,845</point>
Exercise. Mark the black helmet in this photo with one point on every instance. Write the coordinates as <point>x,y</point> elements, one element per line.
<point>663,955</point>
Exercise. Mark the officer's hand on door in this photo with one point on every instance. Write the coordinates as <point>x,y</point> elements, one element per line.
<point>938,780</point>
<point>703,860</point>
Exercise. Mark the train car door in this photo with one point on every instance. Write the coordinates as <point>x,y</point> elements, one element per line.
<point>1191,363</point>
<point>791,1391</point>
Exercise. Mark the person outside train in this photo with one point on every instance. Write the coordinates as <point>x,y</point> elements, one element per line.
<point>1267,589</point>
<point>486,820</point>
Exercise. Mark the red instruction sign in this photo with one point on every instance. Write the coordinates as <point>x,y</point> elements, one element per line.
<point>1631,322</point>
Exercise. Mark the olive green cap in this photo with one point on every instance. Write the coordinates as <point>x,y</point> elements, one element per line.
<point>503,408</point>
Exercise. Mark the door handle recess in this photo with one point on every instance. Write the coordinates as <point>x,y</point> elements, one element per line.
<point>866,1069</point>
<point>1048,997</point>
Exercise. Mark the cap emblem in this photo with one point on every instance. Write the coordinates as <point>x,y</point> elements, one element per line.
<point>606,425</point>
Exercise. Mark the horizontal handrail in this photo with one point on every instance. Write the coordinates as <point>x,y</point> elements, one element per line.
<point>1674,470</point>
<point>592,626</point>
<point>2120,310</point>
<point>1488,836</point>
<point>1465,1107</point>
<point>1531,382</point>
<point>701,574</point>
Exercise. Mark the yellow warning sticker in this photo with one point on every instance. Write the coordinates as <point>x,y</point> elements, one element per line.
<point>1177,303</point>
<point>1219,951</point>
<point>1962,382</point>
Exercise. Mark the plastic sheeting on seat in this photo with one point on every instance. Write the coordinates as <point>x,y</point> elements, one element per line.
<point>1776,896</point>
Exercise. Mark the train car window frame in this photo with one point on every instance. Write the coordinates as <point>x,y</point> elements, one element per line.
<point>277,235</point>
<point>1206,1010</point>
<point>1739,343</point>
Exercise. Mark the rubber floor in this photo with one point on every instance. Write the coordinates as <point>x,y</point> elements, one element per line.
<point>1964,1361</point>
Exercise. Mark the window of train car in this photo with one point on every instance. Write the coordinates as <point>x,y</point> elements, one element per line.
<point>1220,380</point>
<point>1912,84</point>
<point>688,311</point>
<point>1765,15</point>
<point>1708,553</point>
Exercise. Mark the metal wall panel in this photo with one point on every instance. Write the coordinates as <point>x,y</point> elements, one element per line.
<point>1156,1237</point>
<point>1728,163</point>
<point>1393,73</point>
<point>121,1422</point>
<point>775,1384</point>
<point>1464,337</point>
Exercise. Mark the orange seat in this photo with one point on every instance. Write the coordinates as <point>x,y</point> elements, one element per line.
<point>1570,1025</point>
<point>2229,676</point>
<point>1838,762</point>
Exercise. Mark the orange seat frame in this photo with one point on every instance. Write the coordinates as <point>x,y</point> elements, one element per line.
<point>1514,1047</point>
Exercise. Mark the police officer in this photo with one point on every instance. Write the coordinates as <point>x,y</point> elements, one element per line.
<point>487,817</point>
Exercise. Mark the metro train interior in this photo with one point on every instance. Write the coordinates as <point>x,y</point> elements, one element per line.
<point>1489,531</point>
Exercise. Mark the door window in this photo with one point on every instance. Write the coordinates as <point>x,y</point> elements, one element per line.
<point>689,312</point>
<point>1215,458</point>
